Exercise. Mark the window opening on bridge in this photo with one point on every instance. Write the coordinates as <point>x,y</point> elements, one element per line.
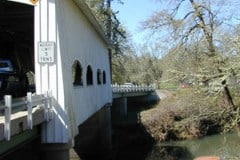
<point>99,76</point>
<point>89,75</point>
<point>77,73</point>
<point>104,77</point>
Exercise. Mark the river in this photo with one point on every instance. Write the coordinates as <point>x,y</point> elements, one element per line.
<point>225,146</point>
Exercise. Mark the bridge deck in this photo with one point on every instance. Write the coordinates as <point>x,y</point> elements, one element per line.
<point>19,121</point>
<point>130,94</point>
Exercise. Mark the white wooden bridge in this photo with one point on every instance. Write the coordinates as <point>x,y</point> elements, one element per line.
<point>35,109</point>
<point>20,115</point>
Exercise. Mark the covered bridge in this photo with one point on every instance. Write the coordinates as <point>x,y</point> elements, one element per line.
<point>61,44</point>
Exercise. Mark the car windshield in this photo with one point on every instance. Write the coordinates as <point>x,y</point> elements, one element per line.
<point>6,66</point>
<point>3,64</point>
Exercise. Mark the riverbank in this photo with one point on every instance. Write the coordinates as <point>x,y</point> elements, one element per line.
<point>187,114</point>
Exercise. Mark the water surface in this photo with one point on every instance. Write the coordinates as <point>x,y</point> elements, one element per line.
<point>225,146</point>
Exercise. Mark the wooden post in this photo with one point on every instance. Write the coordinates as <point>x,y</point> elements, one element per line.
<point>29,108</point>
<point>7,123</point>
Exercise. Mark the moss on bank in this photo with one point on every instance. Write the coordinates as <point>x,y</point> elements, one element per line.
<point>189,113</point>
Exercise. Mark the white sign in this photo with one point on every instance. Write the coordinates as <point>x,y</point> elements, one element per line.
<point>46,52</point>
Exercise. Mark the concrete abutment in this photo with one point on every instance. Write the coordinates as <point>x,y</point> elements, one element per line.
<point>95,138</point>
<point>59,151</point>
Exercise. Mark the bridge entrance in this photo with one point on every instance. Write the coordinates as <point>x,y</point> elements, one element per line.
<point>16,48</point>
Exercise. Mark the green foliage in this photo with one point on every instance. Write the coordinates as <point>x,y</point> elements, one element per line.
<point>111,25</point>
<point>118,70</point>
<point>168,85</point>
<point>139,69</point>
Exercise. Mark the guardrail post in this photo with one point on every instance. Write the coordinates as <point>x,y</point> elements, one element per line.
<point>46,116</point>
<point>8,110</point>
<point>47,105</point>
<point>29,108</point>
<point>50,105</point>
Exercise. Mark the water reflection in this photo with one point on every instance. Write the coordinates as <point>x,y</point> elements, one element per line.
<point>168,152</point>
<point>225,146</point>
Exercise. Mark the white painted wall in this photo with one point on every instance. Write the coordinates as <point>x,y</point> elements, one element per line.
<point>62,22</point>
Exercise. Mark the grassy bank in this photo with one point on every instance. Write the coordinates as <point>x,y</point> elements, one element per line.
<point>190,113</point>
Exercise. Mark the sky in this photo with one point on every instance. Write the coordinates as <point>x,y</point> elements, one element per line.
<point>132,12</point>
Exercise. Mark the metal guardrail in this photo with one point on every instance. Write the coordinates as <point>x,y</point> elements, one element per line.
<point>9,106</point>
<point>132,88</point>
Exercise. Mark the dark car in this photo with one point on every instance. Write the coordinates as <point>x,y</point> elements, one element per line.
<point>12,82</point>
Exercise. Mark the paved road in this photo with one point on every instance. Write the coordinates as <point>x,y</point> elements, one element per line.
<point>162,94</point>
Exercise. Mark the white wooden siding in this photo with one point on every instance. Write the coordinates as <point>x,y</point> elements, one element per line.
<point>62,22</point>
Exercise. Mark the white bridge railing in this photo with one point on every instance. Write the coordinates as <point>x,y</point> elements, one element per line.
<point>132,88</point>
<point>9,106</point>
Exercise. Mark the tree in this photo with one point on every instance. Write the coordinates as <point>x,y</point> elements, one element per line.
<point>196,33</point>
<point>111,25</point>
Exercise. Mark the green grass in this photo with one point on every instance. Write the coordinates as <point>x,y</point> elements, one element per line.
<point>171,86</point>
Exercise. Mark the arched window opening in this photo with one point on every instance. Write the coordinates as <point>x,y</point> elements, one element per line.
<point>77,73</point>
<point>89,75</point>
<point>104,77</point>
<point>99,77</point>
